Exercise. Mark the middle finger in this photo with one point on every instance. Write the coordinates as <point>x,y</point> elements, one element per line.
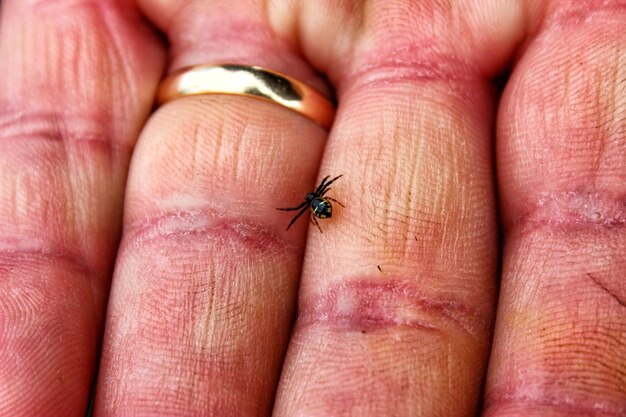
<point>397,295</point>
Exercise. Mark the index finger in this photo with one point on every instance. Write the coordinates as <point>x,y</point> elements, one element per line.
<point>560,340</point>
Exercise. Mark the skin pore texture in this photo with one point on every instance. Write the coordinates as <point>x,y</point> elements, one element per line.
<point>146,242</point>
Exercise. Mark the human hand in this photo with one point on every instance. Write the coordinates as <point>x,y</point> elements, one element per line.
<point>398,308</point>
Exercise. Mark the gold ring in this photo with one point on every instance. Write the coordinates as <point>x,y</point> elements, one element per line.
<point>248,81</point>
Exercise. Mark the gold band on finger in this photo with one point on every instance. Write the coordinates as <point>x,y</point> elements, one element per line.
<point>248,81</point>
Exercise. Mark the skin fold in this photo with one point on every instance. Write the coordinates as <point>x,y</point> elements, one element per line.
<point>477,268</point>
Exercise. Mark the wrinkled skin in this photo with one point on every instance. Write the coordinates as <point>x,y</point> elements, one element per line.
<point>477,269</point>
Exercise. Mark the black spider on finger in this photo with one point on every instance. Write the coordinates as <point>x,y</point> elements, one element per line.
<point>317,203</point>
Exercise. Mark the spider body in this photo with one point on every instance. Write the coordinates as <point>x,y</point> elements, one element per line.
<point>320,207</point>
<point>317,203</point>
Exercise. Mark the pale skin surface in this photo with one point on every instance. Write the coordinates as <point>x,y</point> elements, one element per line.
<point>202,317</point>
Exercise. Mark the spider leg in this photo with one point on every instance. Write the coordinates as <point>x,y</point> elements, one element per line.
<point>336,201</point>
<point>297,216</point>
<point>325,187</point>
<point>315,222</point>
<point>319,187</point>
<point>293,208</point>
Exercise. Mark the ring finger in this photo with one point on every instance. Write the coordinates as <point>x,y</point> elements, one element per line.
<point>205,282</point>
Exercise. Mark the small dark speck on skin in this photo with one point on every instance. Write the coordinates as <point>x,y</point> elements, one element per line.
<point>415,237</point>
<point>363,331</point>
<point>378,266</point>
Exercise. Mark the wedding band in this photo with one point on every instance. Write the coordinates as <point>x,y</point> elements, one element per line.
<point>248,81</point>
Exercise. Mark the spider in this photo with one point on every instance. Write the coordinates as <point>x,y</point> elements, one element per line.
<point>316,202</point>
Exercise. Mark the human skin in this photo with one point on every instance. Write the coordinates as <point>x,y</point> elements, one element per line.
<point>153,236</point>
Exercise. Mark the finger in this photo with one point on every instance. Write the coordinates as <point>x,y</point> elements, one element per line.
<point>397,295</point>
<point>560,340</point>
<point>205,284</point>
<point>76,83</point>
